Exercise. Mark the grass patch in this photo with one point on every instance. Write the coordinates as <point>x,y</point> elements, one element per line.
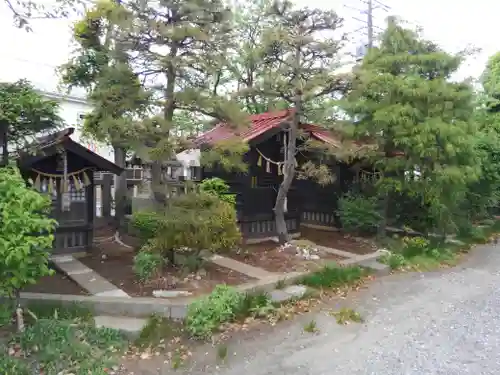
<point>334,276</point>
<point>68,346</point>
<point>311,327</point>
<point>346,316</point>
<point>58,339</point>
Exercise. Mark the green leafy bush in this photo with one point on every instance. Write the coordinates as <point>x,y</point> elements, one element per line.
<point>394,260</point>
<point>26,233</point>
<point>194,222</point>
<point>205,315</point>
<point>413,246</point>
<point>358,213</point>
<point>146,224</point>
<point>147,264</point>
<point>218,187</point>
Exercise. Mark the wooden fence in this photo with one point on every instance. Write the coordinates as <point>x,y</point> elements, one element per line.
<point>254,221</point>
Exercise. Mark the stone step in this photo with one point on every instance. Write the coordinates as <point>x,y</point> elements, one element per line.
<point>246,269</point>
<point>87,278</point>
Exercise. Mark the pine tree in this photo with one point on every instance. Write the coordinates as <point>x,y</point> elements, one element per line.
<point>102,67</point>
<point>404,101</point>
<point>300,58</point>
<point>179,50</point>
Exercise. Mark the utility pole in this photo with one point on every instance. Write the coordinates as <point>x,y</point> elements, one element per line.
<point>369,23</point>
<point>367,8</point>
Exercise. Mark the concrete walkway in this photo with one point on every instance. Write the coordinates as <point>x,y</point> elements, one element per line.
<point>87,278</point>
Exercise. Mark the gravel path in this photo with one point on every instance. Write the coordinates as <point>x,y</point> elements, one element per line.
<point>445,322</point>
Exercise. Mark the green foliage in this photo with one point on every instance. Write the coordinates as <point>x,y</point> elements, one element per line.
<point>358,213</point>
<point>12,366</point>
<point>346,315</point>
<point>311,326</point>
<point>27,112</point>
<point>413,246</point>
<point>147,264</point>
<point>394,260</point>
<point>333,276</point>
<point>219,188</point>
<point>194,222</point>
<point>70,346</point>
<point>205,315</point>
<point>146,224</point>
<point>26,233</point>
<point>404,101</point>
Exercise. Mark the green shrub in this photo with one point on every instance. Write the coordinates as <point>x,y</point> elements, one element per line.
<point>333,276</point>
<point>358,213</point>
<point>413,246</point>
<point>205,315</point>
<point>26,233</point>
<point>146,224</point>
<point>194,222</point>
<point>147,264</point>
<point>394,261</point>
<point>218,187</point>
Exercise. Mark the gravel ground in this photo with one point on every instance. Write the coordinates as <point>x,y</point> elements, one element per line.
<point>445,322</point>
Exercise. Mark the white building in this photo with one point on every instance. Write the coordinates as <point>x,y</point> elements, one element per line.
<point>72,110</point>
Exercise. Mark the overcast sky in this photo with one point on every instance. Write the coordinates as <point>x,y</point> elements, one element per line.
<point>454,24</point>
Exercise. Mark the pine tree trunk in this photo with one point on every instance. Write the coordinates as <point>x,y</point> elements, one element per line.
<point>289,160</point>
<point>120,187</point>
<point>288,176</point>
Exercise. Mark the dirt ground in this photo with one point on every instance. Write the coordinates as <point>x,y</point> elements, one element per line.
<point>117,268</point>
<point>338,240</point>
<point>56,284</point>
<point>271,257</point>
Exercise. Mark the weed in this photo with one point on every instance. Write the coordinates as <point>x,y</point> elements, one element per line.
<point>12,366</point>
<point>156,331</point>
<point>147,264</point>
<point>222,352</point>
<point>205,315</point>
<point>333,276</point>
<point>69,346</point>
<point>280,284</point>
<point>346,315</point>
<point>58,311</point>
<point>394,261</point>
<point>258,305</point>
<point>311,327</point>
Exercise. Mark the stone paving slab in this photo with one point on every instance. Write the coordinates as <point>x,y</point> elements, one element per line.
<point>86,277</point>
<point>130,326</point>
<point>340,253</point>
<point>246,269</point>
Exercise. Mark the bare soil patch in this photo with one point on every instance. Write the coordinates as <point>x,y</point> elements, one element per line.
<point>338,240</point>
<point>58,283</point>
<point>274,258</point>
<point>117,267</point>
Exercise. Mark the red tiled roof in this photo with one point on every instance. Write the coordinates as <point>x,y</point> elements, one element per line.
<point>259,124</point>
